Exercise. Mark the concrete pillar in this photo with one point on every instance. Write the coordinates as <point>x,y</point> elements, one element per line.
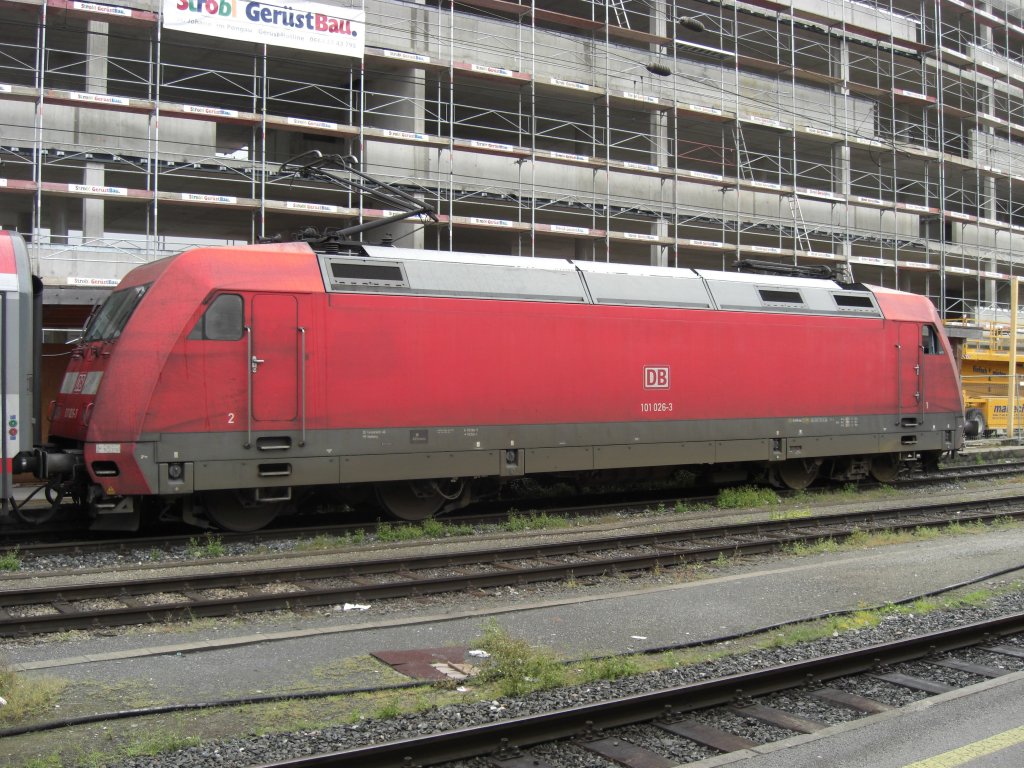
<point>659,253</point>
<point>841,156</point>
<point>24,225</point>
<point>987,192</point>
<point>397,103</point>
<point>57,207</point>
<point>841,164</point>
<point>661,135</point>
<point>583,250</point>
<point>93,226</point>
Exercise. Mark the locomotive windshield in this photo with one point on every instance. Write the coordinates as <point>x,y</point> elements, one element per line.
<point>108,323</point>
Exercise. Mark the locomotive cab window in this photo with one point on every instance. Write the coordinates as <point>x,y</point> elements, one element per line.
<point>930,340</point>
<point>113,316</point>
<point>223,320</point>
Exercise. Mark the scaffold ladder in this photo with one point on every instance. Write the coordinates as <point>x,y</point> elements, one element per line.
<point>618,7</point>
<point>799,224</point>
<point>744,168</point>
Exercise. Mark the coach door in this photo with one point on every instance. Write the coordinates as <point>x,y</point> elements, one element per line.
<point>274,357</point>
<point>909,379</point>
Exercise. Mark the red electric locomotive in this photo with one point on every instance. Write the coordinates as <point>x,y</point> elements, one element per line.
<point>221,384</point>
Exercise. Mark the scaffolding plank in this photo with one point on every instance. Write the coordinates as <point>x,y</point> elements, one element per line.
<point>565,19</point>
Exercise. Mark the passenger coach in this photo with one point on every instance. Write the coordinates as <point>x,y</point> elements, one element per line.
<point>20,309</point>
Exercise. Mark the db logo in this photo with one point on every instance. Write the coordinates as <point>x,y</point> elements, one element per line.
<point>656,377</point>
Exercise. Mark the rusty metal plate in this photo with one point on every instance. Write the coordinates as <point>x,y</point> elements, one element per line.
<point>779,718</point>
<point>417,663</point>
<point>914,683</point>
<point>523,761</point>
<point>851,700</point>
<point>628,754</point>
<point>981,670</point>
<point>709,736</point>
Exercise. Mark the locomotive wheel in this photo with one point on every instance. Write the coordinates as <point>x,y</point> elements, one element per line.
<point>226,510</point>
<point>885,467</point>
<point>797,474</point>
<point>411,501</point>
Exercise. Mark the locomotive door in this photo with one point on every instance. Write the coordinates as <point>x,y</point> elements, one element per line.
<point>273,363</point>
<point>909,379</point>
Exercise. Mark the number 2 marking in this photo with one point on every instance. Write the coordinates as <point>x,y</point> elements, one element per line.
<point>231,418</point>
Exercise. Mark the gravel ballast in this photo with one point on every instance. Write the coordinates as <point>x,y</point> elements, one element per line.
<point>244,752</point>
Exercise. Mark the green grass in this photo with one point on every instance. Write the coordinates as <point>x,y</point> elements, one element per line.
<point>861,539</point>
<point>210,545</point>
<point>10,561</point>
<point>151,744</point>
<point>388,710</point>
<point>609,668</point>
<point>801,548</point>
<point>514,667</point>
<point>27,698</point>
<point>789,514</point>
<point>682,508</point>
<point>746,496</point>
<point>533,522</point>
<point>437,529</point>
<point>324,541</point>
<point>428,529</point>
<point>50,761</point>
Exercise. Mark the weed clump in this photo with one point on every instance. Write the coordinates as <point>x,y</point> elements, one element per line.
<point>515,667</point>
<point>746,496</point>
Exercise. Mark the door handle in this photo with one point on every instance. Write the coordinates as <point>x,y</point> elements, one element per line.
<point>255,362</point>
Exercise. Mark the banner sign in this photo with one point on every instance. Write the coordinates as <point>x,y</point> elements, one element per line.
<point>290,23</point>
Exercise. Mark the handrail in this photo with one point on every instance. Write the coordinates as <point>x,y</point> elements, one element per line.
<point>249,373</point>
<point>302,382</point>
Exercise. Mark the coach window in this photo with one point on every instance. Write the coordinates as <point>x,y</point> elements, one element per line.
<point>223,320</point>
<point>930,340</point>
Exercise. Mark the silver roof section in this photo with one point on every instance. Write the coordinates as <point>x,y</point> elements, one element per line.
<point>476,275</point>
<point>625,284</point>
<point>781,280</point>
<point>465,275</point>
<point>463,257</point>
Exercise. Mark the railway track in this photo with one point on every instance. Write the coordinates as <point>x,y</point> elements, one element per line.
<point>703,713</point>
<point>69,605</point>
<point>37,543</point>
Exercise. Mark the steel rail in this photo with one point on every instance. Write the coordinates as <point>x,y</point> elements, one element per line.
<point>666,548</point>
<point>25,541</point>
<point>523,732</point>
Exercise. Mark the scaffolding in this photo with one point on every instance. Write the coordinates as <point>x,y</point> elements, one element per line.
<point>883,137</point>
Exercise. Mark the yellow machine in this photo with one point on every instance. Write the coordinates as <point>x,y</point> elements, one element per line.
<point>984,367</point>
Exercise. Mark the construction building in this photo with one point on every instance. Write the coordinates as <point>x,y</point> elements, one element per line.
<point>884,139</point>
